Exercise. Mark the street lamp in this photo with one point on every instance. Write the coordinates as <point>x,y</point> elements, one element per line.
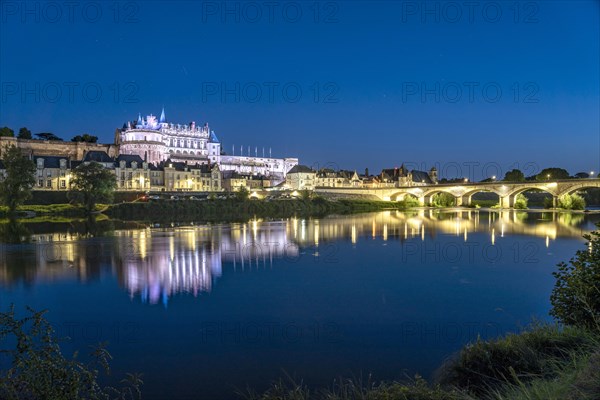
<point>493,177</point>
<point>591,174</point>
<point>466,180</point>
<point>548,176</point>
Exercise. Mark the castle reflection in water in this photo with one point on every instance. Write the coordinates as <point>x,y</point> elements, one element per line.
<point>155,263</point>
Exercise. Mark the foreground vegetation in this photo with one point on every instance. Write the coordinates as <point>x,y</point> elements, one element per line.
<point>546,362</point>
<point>38,369</point>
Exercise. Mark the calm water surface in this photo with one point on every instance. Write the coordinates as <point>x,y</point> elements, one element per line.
<point>205,310</point>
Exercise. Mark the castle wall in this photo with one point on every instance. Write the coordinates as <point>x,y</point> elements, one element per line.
<point>74,150</point>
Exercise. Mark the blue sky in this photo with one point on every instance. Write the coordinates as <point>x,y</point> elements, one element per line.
<point>349,84</point>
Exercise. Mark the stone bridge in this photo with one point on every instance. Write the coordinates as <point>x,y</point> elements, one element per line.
<point>463,193</point>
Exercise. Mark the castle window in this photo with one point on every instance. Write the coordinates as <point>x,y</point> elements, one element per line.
<point>41,182</point>
<point>40,163</point>
<point>49,183</point>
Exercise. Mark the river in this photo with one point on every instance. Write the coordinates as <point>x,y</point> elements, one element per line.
<point>205,310</point>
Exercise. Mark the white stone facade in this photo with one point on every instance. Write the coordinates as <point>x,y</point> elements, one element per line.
<point>157,140</point>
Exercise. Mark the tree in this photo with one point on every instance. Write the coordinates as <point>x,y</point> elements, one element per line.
<point>515,175</point>
<point>571,202</point>
<point>242,193</point>
<point>576,295</point>
<point>552,174</point>
<point>85,138</point>
<point>15,189</point>
<point>38,369</point>
<point>92,183</point>
<point>7,132</point>
<point>581,175</point>
<point>520,201</point>
<point>48,136</point>
<point>443,199</point>
<point>306,195</point>
<point>24,133</point>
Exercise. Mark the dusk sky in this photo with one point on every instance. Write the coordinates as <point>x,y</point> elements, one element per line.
<point>350,84</point>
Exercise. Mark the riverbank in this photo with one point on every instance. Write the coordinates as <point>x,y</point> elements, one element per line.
<point>49,210</point>
<point>234,210</point>
<point>226,210</point>
<point>544,362</point>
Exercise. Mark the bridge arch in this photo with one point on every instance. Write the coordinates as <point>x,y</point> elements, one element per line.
<point>576,188</point>
<point>508,200</point>
<point>527,188</point>
<point>429,195</point>
<point>467,197</point>
<point>400,196</point>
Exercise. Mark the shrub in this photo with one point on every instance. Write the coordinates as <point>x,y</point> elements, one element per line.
<point>520,202</point>
<point>485,366</point>
<point>409,201</point>
<point>576,295</point>
<point>39,370</point>
<point>443,200</point>
<point>571,202</point>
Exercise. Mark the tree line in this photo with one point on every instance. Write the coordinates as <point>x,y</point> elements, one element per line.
<point>25,133</point>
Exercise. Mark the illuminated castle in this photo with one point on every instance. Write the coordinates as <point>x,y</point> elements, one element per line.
<point>158,140</point>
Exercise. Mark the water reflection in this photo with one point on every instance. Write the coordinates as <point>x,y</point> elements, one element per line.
<point>155,263</point>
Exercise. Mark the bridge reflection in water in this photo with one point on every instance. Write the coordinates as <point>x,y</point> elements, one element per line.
<point>156,263</point>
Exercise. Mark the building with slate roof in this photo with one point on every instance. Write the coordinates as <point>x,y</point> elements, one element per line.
<point>52,172</point>
<point>301,177</point>
<point>403,177</point>
<point>156,140</point>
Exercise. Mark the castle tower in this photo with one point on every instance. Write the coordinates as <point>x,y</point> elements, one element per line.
<point>433,175</point>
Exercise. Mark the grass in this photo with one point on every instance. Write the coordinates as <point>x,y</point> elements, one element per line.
<point>545,362</point>
<point>50,209</point>
<point>537,354</point>
<point>348,389</point>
